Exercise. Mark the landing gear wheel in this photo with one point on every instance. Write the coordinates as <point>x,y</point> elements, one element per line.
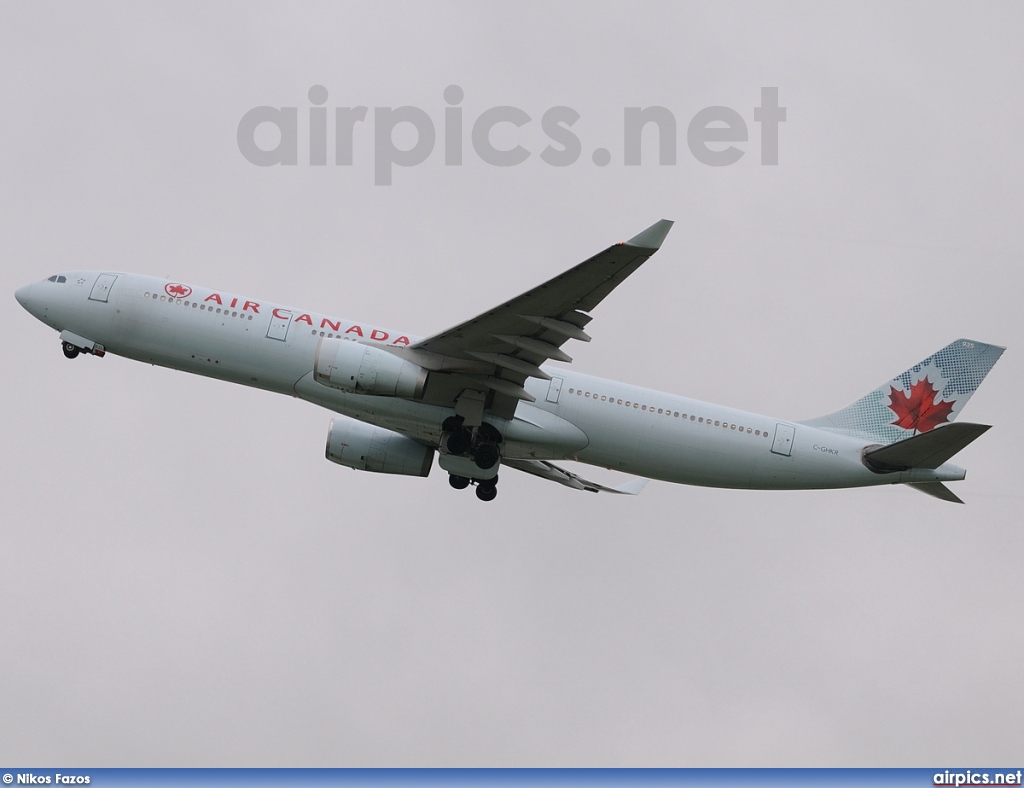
<point>70,351</point>
<point>487,454</point>
<point>458,482</point>
<point>458,442</point>
<point>486,492</point>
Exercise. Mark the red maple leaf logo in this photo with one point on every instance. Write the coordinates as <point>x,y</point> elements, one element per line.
<point>178,291</point>
<point>919,410</point>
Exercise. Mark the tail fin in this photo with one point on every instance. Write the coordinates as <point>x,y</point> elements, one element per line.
<point>927,395</point>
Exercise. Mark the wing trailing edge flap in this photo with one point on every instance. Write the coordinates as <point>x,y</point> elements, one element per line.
<point>554,473</point>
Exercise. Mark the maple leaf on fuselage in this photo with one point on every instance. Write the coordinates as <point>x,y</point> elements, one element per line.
<point>919,411</point>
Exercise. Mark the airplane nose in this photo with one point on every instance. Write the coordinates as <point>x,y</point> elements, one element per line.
<point>23,295</point>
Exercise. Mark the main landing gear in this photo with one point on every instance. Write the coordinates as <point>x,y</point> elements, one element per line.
<point>475,455</point>
<point>486,489</point>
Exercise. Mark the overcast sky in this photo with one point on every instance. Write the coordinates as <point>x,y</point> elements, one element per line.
<point>186,581</point>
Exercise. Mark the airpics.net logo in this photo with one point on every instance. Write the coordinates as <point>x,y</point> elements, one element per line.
<point>407,136</point>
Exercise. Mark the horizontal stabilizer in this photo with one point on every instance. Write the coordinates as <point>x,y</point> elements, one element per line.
<point>927,450</point>
<point>938,490</point>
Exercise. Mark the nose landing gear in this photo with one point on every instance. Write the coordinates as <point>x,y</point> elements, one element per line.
<point>71,350</point>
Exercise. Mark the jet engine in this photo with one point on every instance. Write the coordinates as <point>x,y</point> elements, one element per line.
<point>362,369</point>
<point>368,448</point>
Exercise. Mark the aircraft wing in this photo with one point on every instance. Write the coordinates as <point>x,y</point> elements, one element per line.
<point>495,352</point>
<point>554,473</point>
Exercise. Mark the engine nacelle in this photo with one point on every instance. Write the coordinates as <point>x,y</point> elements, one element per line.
<point>368,448</point>
<point>362,369</point>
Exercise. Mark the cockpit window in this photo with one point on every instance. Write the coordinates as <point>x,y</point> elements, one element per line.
<point>57,278</point>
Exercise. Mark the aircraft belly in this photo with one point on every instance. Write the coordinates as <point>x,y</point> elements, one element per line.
<point>727,460</point>
<point>538,434</point>
<point>532,434</point>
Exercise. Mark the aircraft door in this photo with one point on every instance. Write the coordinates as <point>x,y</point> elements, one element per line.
<point>783,443</point>
<point>554,389</point>
<point>101,290</point>
<point>280,319</point>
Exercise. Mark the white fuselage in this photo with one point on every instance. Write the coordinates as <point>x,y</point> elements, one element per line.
<point>575,416</point>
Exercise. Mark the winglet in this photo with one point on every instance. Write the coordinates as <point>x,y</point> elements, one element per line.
<point>653,236</point>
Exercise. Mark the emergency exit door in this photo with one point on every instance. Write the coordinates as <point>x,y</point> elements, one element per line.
<point>783,443</point>
<point>280,319</point>
<point>101,290</point>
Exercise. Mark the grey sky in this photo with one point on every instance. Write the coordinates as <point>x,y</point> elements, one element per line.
<point>186,581</point>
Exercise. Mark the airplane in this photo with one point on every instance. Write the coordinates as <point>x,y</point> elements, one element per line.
<point>479,396</point>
